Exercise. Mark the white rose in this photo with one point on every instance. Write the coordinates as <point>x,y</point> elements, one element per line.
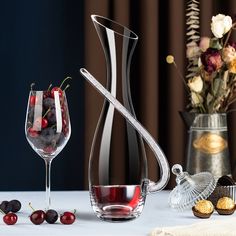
<point>195,84</point>
<point>220,25</point>
<point>196,99</point>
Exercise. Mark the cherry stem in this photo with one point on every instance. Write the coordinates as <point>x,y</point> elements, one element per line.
<point>74,211</point>
<point>53,126</point>
<point>31,206</point>
<point>49,87</point>
<point>29,123</point>
<point>2,212</point>
<point>31,86</point>
<point>67,86</point>
<point>65,81</point>
<point>46,112</point>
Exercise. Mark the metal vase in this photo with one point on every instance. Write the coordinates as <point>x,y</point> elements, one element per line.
<point>208,145</point>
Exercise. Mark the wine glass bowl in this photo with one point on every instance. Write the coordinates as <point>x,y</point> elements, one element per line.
<point>47,126</point>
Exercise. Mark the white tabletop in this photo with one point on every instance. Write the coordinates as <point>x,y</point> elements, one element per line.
<point>156,213</point>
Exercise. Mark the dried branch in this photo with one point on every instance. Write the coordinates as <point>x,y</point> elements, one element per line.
<point>193,34</point>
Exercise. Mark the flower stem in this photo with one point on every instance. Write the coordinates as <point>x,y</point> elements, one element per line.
<point>228,35</point>
<point>181,76</point>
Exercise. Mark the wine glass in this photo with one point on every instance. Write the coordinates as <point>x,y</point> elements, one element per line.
<point>47,127</point>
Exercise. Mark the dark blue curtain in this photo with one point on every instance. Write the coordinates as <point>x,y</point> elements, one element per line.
<point>41,41</point>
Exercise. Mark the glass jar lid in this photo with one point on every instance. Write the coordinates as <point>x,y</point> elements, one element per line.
<point>190,188</point>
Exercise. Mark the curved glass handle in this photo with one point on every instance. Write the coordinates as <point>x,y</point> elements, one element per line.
<point>161,159</point>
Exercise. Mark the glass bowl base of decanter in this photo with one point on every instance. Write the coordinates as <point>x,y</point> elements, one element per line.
<point>117,213</point>
<point>117,203</point>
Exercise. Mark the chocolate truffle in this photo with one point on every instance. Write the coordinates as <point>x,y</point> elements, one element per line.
<point>225,206</point>
<point>203,209</point>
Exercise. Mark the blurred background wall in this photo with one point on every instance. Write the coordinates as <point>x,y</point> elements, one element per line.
<point>43,41</point>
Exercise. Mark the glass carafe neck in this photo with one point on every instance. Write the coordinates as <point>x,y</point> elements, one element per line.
<point>118,43</point>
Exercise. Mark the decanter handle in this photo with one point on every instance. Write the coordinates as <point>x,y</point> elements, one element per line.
<point>161,159</point>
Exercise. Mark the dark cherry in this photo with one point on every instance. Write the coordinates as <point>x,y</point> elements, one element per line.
<point>37,217</point>
<point>5,207</point>
<point>48,103</point>
<point>46,94</point>
<point>33,133</point>
<point>56,89</point>
<point>51,116</point>
<point>51,216</point>
<point>67,218</point>
<point>10,218</point>
<point>15,205</point>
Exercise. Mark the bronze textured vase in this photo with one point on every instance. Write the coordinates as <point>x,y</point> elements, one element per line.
<point>208,144</point>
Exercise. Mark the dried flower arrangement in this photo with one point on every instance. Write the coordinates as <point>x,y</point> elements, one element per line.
<point>211,78</point>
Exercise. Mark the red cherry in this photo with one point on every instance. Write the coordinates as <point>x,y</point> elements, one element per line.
<point>56,89</point>
<point>64,123</point>
<point>65,130</point>
<point>42,121</point>
<point>33,100</point>
<point>10,218</point>
<point>67,218</point>
<point>62,111</point>
<point>37,217</point>
<point>33,133</point>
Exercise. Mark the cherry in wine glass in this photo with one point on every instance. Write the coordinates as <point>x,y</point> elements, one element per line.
<point>47,126</point>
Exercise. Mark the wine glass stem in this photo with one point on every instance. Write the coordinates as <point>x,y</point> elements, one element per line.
<point>48,183</point>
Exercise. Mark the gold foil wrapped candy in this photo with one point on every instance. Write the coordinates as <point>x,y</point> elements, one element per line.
<point>225,206</point>
<point>203,209</point>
